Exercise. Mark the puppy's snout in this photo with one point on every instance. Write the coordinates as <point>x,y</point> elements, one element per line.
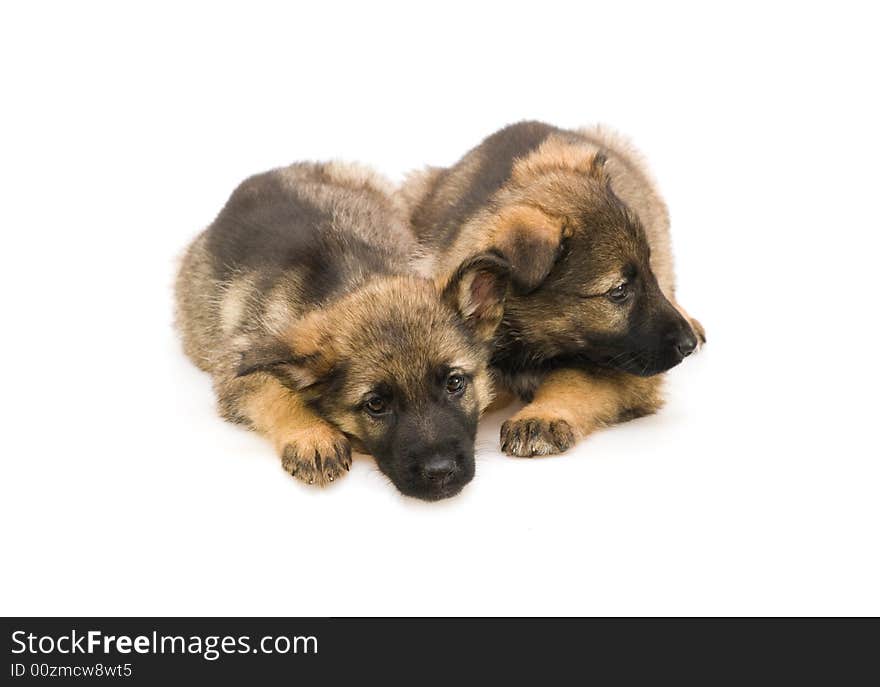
<point>686,344</point>
<point>439,469</point>
<point>682,340</point>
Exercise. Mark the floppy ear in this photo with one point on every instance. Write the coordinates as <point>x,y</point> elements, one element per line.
<point>531,241</point>
<point>477,291</point>
<point>264,358</point>
<point>300,364</point>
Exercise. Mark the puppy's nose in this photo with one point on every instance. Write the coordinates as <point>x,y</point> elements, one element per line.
<point>686,344</point>
<point>439,468</point>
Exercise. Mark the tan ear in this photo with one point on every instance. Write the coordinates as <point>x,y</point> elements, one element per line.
<point>477,291</point>
<point>300,359</point>
<point>531,241</point>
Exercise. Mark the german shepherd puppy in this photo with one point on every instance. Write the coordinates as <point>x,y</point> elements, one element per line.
<point>592,317</point>
<point>301,301</point>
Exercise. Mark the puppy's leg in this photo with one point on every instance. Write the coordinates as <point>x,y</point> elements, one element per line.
<point>570,404</point>
<point>311,449</point>
<point>503,398</point>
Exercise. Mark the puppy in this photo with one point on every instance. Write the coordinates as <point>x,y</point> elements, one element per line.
<point>592,318</point>
<point>300,300</point>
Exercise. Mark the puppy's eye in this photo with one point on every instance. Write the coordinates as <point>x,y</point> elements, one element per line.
<point>376,405</point>
<point>619,293</point>
<point>455,384</point>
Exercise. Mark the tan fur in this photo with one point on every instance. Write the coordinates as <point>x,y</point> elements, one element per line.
<point>416,185</point>
<point>196,314</point>
<point>272,302</point>
<point>545,187</point>
<point>554,155</point>
<point>297,433</point>
<point>635,185</point>
<point>571,404</point>
<point>560,162</point>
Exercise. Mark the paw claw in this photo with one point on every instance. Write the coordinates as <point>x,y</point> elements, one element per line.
<point>327,451</point>
<point>527,437</point>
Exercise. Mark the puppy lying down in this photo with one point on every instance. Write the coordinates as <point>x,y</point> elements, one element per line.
<point>302,303</point>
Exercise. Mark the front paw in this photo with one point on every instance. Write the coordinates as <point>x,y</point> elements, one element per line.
<point>536,436</point>
<point>316,456</point>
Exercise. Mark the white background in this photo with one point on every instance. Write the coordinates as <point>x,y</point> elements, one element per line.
<point>124,130</point>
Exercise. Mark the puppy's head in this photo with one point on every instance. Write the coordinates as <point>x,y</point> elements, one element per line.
<point>400,366</point>
<point>581,272</point>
